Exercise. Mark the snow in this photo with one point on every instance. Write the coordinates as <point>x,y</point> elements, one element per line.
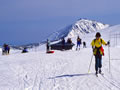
<point>63,70</point>
<point>84,26</point>
<point>80,27</point>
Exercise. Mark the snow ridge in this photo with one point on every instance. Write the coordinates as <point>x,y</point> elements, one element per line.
<point>61,33</point>
<point>84,26</point>
<point>80,27</point>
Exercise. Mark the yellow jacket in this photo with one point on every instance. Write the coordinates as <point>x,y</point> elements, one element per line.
<point>97,44</point>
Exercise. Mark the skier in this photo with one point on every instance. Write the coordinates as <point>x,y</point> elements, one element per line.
<point>69,41</point>
<point>25,50</point>
<point>98,51</point>
<point>63,44</point>
<point>8,47</point>
<point>48,45</point>
<point>5,49</point>
<point>78,42</point>
<point>84,44</point>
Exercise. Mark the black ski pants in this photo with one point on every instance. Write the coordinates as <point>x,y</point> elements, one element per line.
<point>98,62</point>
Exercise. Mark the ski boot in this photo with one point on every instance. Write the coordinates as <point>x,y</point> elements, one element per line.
<point>100,71</point>
<point>96,73</point>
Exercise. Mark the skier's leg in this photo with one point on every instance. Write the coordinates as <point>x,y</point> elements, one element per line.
<point>96,64</point>
<point>79,46</point>
<point>100,64</point>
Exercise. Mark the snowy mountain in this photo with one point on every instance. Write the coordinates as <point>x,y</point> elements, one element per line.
<point>80,27</point>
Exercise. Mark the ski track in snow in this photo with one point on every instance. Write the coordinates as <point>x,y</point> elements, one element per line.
<point>58,71</point>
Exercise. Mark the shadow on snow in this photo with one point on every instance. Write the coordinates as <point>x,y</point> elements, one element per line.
<point>71,75</point>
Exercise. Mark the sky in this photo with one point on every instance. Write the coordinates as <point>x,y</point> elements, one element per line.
<point>30,21</point>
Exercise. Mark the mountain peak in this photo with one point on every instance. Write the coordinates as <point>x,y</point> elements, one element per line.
<point>84,26</point>
<point>80,27</point>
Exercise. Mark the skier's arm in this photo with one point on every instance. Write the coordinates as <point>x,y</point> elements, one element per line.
<point>92,44</point>
<point>103,42</point>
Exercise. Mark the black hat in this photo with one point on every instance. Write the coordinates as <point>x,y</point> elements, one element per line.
<point>98,34</point>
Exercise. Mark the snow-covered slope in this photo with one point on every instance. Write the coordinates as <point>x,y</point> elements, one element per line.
<point>80,27</point>
<point>67,70</point>
<point>63,70</point>
<point>111,34</point>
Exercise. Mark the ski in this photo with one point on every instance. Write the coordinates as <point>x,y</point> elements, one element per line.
<point>96,75</point>
<point>101,73</point>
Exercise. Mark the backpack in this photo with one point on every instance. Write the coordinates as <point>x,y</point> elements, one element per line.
<point>101,48</point>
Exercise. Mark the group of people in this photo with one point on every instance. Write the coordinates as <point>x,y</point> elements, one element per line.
<point>69,41</point>
<point>96,44</point>
<point>98,50</point>
<point>79,42</point>
<point>5,49</point>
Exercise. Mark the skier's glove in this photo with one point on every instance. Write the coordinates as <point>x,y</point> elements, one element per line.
<point>108,43</point>
<point>93,49</point>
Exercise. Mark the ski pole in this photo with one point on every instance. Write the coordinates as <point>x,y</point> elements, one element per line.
<point>109,57</point>
<point>90,64</point>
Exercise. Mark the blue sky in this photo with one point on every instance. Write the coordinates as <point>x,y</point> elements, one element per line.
<point>27,21</point>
